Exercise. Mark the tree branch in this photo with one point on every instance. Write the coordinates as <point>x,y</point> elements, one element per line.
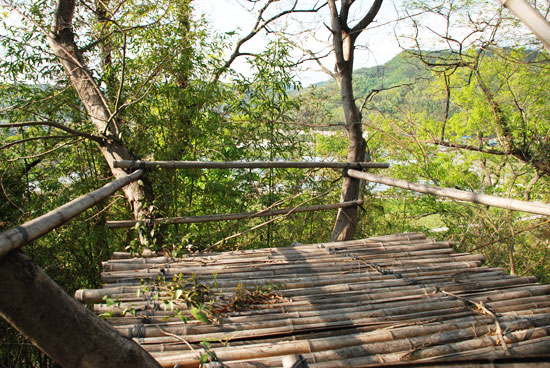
<point>11,144</point>
<point>374,92</point>
<point>55,148</point>
<point>258,27</point>
<point>59,126</point>
<point>316,58</point>
<point>469,148</point>
<point>367,19</point>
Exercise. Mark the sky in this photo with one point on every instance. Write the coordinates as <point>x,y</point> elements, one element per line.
<point>377,44</point>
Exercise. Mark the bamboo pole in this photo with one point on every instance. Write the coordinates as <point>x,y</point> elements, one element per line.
<point>323,257</point>
<point>139,164</point>
<point>461,195</point>
<point>308,251</point>
<point>319,345</point>
<point>31,230</point>
<point>284,254</point>
<point>513,303</point>
<point>382,298</point>
<point>235,216</point>
<point>280,270</point>
<point>125,293</point>
<point>534,20</point>
<point>128,293</point>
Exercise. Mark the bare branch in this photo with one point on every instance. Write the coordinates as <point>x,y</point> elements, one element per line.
<point>316,58</point>
<point>260,25</point>
<point>374,92</point>
<point>57,125</point>
<point>20,141</point>
<point>47,152</point>
<point>469,147</point>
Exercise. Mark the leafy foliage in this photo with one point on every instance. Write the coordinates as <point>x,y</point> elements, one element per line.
<point>443,130</point>
<point>474,116</point>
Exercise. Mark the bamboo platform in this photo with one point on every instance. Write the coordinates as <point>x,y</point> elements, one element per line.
<point>392,300</point>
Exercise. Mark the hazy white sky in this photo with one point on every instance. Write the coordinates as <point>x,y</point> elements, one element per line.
<point>378,44</point>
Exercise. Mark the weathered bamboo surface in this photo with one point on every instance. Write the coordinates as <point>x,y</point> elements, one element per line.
<point>370,302</point>
<point>460,195</point>
<point>237,216</point>
<point>138,164</point>
<point>29,231</point>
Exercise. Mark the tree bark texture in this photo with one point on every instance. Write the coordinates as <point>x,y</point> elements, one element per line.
<point>344,39</point>
<point>61,41</point>
<point>58,325</point>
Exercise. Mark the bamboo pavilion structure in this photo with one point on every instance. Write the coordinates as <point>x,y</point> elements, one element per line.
<point>388,301</point>
<point>392,300</point>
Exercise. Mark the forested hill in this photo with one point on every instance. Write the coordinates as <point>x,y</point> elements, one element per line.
<point>401,71</point>
<point>406,73</point>
<point>479,121</point>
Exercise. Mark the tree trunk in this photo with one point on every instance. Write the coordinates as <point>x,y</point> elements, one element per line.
<point>347,218</point>
<point>58,325</point>
<point>344,37</point>
<point>61,41</point>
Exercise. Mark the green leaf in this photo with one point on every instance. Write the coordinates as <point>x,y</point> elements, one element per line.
<point>198,314</point>
<point>204,358</point>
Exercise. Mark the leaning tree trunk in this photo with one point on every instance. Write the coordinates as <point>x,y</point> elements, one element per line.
<point>344,37</point>
<point>61,41</point>
<point>57,324</point>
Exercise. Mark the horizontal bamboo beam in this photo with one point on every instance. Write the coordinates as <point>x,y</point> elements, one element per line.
<point>138,164</point>
<point>460,195</point>
<point>31,230</point>
<point>235,216</point>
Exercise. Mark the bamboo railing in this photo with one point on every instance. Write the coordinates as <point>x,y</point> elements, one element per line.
<point>460,195</point>
<point>141,164</point>
<point>235,216</point>
<point>31,230</point>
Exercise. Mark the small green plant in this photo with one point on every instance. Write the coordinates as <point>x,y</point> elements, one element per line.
<point>147,233</point>
<point>181,291</point>
<point>205,303</point>
<point>208,355</point>
<point>115,303</point>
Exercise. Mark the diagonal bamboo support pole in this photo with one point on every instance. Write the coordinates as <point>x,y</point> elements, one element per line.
<point>460,195</point>
<point>31,230</point>
<point>534,20</point>
<point>57,324</point>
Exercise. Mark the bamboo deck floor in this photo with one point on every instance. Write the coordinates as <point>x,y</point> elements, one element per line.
<point>390,300</point>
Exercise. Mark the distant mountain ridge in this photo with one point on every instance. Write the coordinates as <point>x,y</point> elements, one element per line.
<point>402,68</point>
